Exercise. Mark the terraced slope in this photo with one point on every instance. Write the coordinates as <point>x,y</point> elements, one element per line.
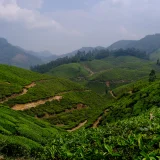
<point>115,70</point>
<point>22,135</point>
<point>128,125</point>
<point>58,101</point>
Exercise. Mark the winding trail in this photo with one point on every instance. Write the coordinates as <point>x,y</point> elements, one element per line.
<point>112,94</point>
<point>29,105</point>
<point>96,123</point>
<point>78,127</point>
<point>24,91</point>
<point>21,107</point>
<point>89,70</point>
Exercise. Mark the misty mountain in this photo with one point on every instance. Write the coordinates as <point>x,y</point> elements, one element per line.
<point>45,56</point>
<point>149,43</point>
<point>41,54</point>
<point>83,49</point>
<point>13,55</point>
<point>122,44</point>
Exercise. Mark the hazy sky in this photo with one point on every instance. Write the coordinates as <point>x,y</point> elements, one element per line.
<point>61,26</point>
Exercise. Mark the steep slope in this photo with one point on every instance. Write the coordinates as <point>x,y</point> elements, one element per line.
<point>115,70</point>
<point>42,96</point>
<point>16,56</point>
<point>128,123</point>
<point>22,135</point>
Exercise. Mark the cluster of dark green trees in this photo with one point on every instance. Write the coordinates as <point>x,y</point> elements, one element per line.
<point>89,56</point>
<point>152,76</point>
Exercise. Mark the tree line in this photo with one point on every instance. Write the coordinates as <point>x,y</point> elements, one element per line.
<point>81,56</point>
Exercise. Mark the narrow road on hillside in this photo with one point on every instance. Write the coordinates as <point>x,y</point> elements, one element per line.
<point>21,107</point>
<point>78,127</point>
<point>89,70</point>
<point>96,123</point>
<point>112,94</point>
<point>24,91</point>
<point>34,104</point>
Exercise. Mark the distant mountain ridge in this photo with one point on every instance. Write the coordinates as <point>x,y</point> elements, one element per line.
<point>149,44</point>
<point>16,56</point>
<point>83,49</point>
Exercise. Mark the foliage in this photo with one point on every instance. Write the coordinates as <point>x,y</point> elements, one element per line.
<point>152,76</point>
<point>82,56</point>
<point>22,135</point>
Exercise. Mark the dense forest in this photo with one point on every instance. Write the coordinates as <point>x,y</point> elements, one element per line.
<point>91,55</point>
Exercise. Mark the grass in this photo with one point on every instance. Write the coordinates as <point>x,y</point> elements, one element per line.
<point>94,103</point>
<point>72,70</point>
<point>125,131</point>
<point>13,79</point>
<point>22,135</point>
<point>118,70</point>
<point>45,89</point>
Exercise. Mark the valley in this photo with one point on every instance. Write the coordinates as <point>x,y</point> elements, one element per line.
<point>97,105</point>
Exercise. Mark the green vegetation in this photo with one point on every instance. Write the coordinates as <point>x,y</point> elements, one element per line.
<point>72,71</point>
<point>142,96</point>
<point>132,138</point>
<point>92,55</point>
<point>13,79</point>
<point>127,121</point>
<point>92,106</point>
<point>22,135</point>
<point>45,89</point>
<point>117,70</point>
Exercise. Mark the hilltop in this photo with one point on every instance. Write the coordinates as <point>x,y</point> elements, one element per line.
<point>149,43</point>
<point>95,68</point>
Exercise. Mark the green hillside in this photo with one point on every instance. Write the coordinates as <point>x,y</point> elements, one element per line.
<point>22,135</point>
<point>116,70</point>
<point>45,117</point>
<point>71,71</point>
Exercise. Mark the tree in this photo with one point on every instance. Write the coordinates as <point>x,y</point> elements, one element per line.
<point>152,76</point>
<point>158,61</point>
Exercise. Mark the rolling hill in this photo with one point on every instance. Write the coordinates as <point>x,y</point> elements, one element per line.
<point>115,70</point>
<point>149,43</point>
<point>41,117</point>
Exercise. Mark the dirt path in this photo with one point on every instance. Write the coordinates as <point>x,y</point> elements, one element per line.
<point>78,127</point>
<point>112,94</point>
<point>24,91</point>
<point>96,123</point>
<point>89,70</point>
<point>26,106</point>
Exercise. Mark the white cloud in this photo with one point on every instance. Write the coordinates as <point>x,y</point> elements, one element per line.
<point>11,12</point>
<point>64,30</point>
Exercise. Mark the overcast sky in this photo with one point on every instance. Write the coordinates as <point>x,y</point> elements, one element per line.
<point>61,26</point>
